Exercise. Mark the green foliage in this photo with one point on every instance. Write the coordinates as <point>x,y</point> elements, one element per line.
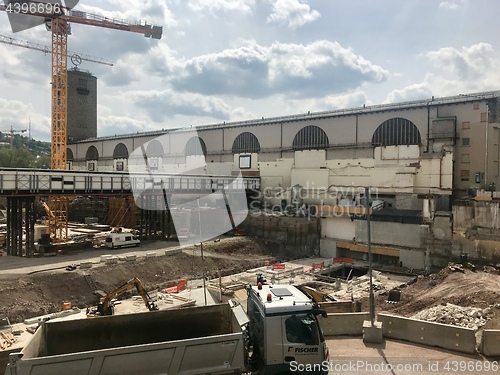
<point>25,153</point>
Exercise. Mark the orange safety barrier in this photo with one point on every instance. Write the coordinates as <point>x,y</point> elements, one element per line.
<point>278,266</point>
<point>316,266</point>
<point>177,288</point>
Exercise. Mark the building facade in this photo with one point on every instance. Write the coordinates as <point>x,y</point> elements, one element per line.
<point>82,105</point>
<point>416,157</point>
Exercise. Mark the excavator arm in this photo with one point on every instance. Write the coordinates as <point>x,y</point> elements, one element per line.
<point>315,294</point>
<point>105,306</point>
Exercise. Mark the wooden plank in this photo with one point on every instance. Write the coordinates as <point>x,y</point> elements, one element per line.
<point>364,249</point>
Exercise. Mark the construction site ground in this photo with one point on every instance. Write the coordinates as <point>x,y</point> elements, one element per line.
<point>36,287</point>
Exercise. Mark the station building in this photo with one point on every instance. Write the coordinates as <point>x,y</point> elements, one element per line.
<point>417,157</point>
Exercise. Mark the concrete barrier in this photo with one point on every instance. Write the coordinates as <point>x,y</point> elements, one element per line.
<point>428,333</point>
<point>343,323</point>
<point>490,343</point>
<point>173,251</point>
<point>105,257</point>
<point>130,258</point>
<point>150,254</point>
<point>85,265</point>
<point>111,261</point>
<point>340,307</point>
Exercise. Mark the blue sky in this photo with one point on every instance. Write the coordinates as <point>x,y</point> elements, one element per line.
<point>230,60</point>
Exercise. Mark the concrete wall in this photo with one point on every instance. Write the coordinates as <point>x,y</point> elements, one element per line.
<point>412,258</point>
<point>428,333</point>
<point>475,231</point>
<point>490,342</point>
<point>299,236</point>
<point>476,214</point>
<point>442,228</point>
<point>482,251</point>
<point>339,228</point>
<point>417,331</point>
<point>395,234</point>
<point>328,248</point>
<point>343,323</point>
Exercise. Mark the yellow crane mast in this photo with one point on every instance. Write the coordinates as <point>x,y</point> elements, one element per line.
<point>58,19</point>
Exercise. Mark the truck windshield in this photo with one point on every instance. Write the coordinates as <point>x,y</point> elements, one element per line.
<point>302,329</point>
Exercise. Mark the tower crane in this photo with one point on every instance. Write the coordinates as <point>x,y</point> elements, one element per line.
<point>46,49</point>
<point>58,19</point>
<point>12,133</point>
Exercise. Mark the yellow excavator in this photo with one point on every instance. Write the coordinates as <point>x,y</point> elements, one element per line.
<point>106,307</point>
<point>315,294</point>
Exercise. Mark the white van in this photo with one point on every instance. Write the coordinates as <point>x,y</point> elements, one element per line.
<point>115,240</point>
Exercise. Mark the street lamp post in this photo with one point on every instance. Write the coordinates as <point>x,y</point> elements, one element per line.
<point>369,242</point>
<point>372,330</point>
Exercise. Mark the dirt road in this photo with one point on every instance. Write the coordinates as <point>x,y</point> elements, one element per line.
<point>26,290</point>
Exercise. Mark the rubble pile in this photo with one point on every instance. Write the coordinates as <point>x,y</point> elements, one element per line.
<point>467,317</point>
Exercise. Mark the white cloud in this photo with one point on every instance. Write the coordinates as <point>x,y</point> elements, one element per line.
<point>243,6</point>
<point>292,12</point>
<point>453,71</point>
<point>113,125</point>
<point>227,60</point>
<point>467,63</point>
<point>19,116</point>
<point>161,105</point>
<point>417,91</point>
<point>451,5</point>
<point>331,102</point>
<point>295,70</point>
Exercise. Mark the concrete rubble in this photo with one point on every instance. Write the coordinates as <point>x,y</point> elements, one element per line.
<point>359,287</point>
<point>467,317</point>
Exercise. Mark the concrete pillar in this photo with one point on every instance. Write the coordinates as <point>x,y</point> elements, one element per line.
<point>372,333</point>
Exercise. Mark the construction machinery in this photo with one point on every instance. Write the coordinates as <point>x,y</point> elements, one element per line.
<point>315,294</point>
<point>106,306</point>
<point>278,334</point>
<point>75,57</point>
<point>58,19</point>
<point>12,134</point>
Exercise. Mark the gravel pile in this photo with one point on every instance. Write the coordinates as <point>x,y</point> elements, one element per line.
<point>468,317</point>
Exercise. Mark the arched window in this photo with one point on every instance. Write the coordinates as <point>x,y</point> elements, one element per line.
<point>195,146</point>
<point>69,155</point>
<point>246,143</point>
<point>396,131</point>
<point>309,138</point>
<point>154,149</point>
<point>120,151</point>
<point>92,154</point>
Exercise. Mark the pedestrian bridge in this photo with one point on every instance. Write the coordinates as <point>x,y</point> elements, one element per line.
<point>58,182</point>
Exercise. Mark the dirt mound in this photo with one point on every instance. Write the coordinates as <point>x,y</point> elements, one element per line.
<point>45,292</point>
<point>468,289</point>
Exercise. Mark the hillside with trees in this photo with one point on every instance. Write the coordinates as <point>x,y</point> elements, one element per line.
<point>24,152</point>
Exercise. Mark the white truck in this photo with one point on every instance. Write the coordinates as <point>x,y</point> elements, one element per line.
<point>121,239</point>
<point>280,334</point>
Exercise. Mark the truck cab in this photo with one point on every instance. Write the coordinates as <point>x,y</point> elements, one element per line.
<point>284,331</point>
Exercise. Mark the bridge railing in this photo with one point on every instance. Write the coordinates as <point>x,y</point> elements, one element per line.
<point>43,182</point>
